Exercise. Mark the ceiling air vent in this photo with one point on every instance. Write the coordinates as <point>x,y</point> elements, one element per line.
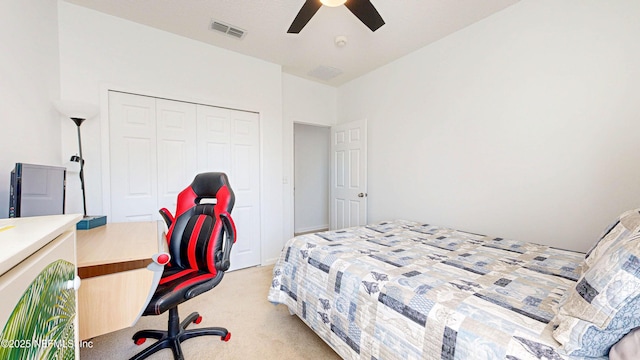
<point>325,73</point>
<point>227,29</point>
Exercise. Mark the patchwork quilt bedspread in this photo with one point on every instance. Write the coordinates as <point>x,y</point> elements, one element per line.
<point>406,290</point>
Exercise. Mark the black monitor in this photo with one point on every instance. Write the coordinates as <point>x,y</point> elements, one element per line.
<point>37,190</point>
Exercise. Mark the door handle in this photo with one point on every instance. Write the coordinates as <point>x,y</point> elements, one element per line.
<point>362,195</point>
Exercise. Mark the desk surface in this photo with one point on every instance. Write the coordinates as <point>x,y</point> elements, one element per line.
<point>112,262</point>
<point>119,242</point>
<point>21,237</point>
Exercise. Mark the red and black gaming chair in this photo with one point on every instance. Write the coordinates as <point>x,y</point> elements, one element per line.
<point>199,239</point>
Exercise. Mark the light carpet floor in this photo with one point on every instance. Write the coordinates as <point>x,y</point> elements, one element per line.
<point>259,330</point>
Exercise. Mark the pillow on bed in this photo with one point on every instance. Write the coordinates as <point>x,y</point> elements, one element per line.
<point>628,348</point>
<point>624,226</point>
<point>604,305</point>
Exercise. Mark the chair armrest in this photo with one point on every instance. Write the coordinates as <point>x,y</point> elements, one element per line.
<point>157,267</point>
<point>222,258</point>
<point>167,216</point>
<point>204,287</point>
<point>229,225</point>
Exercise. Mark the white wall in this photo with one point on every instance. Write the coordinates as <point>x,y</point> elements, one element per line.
<point>303,102</point>
<point>311,177</point>
<point>29,73</point>
<point>523,125</point>
<point>99,51</point>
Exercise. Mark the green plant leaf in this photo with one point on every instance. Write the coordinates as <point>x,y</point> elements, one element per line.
<point>44,317</point>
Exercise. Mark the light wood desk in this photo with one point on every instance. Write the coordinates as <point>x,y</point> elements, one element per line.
<point>30,247</point>
<point>112,262</point>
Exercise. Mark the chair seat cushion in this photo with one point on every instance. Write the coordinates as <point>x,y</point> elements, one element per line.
<point>173,287</point>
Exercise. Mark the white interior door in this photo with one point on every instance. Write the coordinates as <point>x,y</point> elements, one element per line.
<point>348,175</point>
<point>133,160</point>
<point>229,141</point>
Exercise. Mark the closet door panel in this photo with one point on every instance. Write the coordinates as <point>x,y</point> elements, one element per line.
<point>214,139</point>
<point>176,148</point>
<point>134,190</point>
<point>229,141</point>
<point>245,167</point>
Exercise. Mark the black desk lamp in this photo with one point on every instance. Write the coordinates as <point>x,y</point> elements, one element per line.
<point>78,112</point>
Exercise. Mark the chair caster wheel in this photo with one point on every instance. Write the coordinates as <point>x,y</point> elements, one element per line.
<point>140,341</point>
<point>197,320</point>
<point>226,338</point>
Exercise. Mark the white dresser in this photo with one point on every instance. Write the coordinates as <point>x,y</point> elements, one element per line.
<point>38,287</point>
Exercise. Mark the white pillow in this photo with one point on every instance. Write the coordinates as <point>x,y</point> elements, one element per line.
<point>627,224</point>
<point>604,305</point>
<point>628,348</point>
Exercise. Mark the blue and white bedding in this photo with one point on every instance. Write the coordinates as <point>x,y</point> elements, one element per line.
<point>406,290</point>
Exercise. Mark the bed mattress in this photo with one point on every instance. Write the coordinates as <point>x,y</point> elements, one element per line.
<point>406,290</point>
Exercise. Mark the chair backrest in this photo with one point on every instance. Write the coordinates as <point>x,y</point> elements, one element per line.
<point>195,237</point>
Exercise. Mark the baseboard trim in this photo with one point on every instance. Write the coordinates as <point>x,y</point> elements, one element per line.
<point>311,229</point>
<point>268,262</point>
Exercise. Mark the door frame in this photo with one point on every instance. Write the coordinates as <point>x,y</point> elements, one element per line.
<point>328,183</point>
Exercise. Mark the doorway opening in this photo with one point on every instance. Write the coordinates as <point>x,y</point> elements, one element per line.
<point>312,170</point>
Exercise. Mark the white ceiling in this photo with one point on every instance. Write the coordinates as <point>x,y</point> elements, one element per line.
<point>410,25</point>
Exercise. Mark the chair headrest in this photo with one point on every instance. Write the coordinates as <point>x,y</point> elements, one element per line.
<point>210,185</point>
<point>207,185</point>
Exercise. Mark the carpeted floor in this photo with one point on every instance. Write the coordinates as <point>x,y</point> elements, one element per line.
<point>259,330</point>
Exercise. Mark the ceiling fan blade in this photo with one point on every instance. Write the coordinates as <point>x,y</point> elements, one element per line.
<point>366,12</point>
<point>309,8</point>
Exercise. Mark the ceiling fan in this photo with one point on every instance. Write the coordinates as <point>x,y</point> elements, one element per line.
<point>362,9</point>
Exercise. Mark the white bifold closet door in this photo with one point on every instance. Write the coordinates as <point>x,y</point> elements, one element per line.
<point>157,146</point>
<point>229,141</point>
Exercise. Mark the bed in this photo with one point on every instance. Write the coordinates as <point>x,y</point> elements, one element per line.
<point>407,290</point>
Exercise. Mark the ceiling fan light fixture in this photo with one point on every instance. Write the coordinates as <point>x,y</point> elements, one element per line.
<point>333,3</point>
<point>362,9</point>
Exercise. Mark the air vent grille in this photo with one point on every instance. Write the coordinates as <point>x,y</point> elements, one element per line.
<point>325,73</point>
<point>227,29</point>
<point>236,32</point>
